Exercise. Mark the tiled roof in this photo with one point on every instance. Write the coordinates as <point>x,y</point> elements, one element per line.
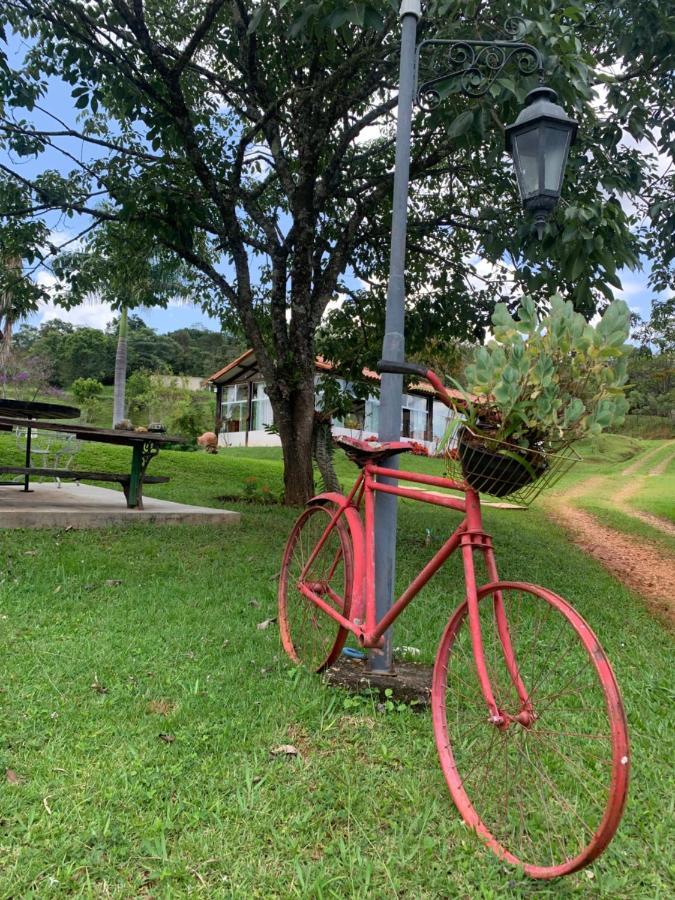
<point>247,361</point>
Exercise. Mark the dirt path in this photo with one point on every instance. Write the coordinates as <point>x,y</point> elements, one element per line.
<point>632,486</point>
<point>662,466</point>
<point>646,568</point>
<point>641,460</point>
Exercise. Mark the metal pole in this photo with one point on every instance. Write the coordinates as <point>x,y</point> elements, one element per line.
<point>380,661</point>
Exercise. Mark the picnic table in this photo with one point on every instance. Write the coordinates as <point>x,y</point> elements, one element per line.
<point>145,445</point>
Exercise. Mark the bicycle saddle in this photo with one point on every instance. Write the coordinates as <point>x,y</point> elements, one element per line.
<point>363,452</point>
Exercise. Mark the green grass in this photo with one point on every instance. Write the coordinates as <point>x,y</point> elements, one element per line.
<point>608,457</point>
<point>657,496</point>
<point>100,627</point>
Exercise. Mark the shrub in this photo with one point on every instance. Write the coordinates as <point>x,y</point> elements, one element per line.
<point>545,383</point>
<point>84,390</point>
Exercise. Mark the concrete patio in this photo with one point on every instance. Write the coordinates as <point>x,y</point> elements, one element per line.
<point>84,506</point>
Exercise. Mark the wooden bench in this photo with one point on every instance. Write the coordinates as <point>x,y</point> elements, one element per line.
<point>74,475</point>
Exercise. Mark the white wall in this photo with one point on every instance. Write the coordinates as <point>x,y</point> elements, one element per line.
<point>255,439</point>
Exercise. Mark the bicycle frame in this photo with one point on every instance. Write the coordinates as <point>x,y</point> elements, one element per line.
<point>469,536</point>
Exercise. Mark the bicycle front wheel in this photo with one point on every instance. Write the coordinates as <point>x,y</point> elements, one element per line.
<point>309,635</point>
<point>544,783</point>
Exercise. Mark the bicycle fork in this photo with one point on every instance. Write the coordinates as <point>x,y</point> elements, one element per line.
<point>474,538</point>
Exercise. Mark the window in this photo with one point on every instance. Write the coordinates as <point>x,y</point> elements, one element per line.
<point>414,417</point>
<point>261,412</point>
<point>443,416</point>
<point>234,411</point>
<point>372,418</point>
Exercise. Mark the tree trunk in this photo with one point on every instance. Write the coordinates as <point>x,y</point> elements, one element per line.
<point>13,265</point>
<point>294,417</point>
<point>322,451</point>
<point>119,391</point>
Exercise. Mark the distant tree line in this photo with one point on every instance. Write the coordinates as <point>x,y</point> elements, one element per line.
<point>71,351</point>
<point>651,370</point>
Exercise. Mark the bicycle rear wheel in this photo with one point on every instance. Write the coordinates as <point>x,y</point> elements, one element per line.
<point>309,635</point>
<point>548,794</point>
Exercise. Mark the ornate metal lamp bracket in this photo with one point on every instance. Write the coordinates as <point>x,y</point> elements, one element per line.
<point>473,64</point>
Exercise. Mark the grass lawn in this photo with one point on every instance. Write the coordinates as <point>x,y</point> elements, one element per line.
<point>655,494</point>
<point>658,494</point>
<point>139,703</point>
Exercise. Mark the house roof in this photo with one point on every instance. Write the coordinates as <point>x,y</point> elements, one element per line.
<point>244,367</point>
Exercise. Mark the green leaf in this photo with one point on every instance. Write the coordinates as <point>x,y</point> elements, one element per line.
<point>527,315</point>
<point>461,124</point>
<point>501,317</point>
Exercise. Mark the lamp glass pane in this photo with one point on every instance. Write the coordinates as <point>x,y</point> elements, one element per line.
<point>555,145</point>
<point>526,160</point>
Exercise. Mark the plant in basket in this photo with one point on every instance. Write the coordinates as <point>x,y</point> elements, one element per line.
<point>540,385</point>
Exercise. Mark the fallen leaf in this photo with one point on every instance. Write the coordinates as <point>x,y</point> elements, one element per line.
<point>30,553</point>
<point>167,738</point>
<point>113,582</point>
<point>12,777</point>
<point>262,626</point>
<point>285,750</point>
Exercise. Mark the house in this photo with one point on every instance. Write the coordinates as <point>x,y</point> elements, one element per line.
<point>244,412</point>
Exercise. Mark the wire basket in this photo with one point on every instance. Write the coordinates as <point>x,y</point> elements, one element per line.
<point>504,470</point>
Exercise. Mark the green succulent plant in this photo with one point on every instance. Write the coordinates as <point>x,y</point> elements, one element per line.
<point>544,383</point>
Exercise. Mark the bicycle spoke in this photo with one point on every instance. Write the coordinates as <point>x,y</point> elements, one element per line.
<point>540,789</point>
<point>310,635</point>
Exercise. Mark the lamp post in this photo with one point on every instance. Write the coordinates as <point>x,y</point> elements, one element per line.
<point>539,139</point>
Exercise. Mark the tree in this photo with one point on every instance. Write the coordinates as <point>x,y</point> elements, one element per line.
<point>255,141</point>
<point>659,331</point>
<point>11,265</point>
<point>126,268</point>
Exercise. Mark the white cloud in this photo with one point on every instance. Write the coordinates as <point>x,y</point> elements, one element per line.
<point>91,313</point>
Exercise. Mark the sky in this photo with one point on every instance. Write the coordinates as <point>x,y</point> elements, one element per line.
<point>635,292</point>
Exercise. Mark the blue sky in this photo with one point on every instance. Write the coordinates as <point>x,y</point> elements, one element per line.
<point>635,291</point>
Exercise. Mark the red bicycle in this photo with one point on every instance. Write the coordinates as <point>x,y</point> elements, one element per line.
<point>528,718</point>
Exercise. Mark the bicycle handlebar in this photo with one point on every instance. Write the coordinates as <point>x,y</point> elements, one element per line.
<point>401,367</point>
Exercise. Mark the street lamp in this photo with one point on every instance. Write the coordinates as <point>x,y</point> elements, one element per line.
<point>540,139</point>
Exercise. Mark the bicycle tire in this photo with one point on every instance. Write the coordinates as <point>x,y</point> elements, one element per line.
<point>546,795</point>
<point>309,635</point>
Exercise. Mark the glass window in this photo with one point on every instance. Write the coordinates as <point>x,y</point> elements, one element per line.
<point>526,158</point>
<point>261,413</point>
<point>234,411</point>
<point>372,417</point>
<point>444,417</point>
<point>414,417</point>
<point>556,145</point>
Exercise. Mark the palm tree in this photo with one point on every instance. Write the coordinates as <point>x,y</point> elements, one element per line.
<point>120,383</point>
<point>12,266</point>
<point>121,266</point>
